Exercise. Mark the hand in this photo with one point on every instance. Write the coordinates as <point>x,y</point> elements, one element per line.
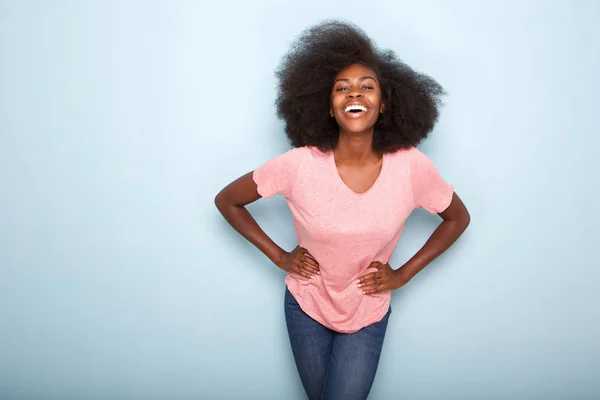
<point>301,262</point>
<point>385,278</point>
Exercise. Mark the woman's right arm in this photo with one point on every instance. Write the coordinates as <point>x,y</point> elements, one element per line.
<point>231,202</point>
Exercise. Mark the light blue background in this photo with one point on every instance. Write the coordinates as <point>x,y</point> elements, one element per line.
<point>120,121</point>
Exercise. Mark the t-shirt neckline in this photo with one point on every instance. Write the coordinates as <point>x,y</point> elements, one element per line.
<point>339,179</point>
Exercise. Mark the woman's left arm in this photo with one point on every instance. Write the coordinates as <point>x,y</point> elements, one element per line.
<point>456,218</point>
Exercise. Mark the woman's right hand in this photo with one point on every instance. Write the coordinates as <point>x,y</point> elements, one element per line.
<point>299,261</point>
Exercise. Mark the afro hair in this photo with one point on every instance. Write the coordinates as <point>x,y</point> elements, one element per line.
<point>306,76</point>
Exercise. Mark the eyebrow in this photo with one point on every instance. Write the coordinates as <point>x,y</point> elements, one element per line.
<point>360,79</point>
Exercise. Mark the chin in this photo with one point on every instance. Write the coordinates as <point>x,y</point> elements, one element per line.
<point>356,128</point>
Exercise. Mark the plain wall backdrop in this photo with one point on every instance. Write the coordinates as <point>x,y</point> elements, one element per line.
<point>121,120</point>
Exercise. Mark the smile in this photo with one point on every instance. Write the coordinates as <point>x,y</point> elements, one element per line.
<point>355,108</point>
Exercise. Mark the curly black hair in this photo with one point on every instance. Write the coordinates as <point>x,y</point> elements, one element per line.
<point>306,75</point>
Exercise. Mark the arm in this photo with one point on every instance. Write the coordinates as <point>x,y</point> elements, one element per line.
<point>231,202</point>
<point>456,218</point>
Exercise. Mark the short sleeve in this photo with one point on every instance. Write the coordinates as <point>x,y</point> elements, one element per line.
<point>430,190</point>
<point>278,175</point>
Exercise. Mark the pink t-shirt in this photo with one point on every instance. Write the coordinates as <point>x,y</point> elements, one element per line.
<point>345,231</point>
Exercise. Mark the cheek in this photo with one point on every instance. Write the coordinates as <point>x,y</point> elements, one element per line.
<point>336,100</point>
<point>375,98</point>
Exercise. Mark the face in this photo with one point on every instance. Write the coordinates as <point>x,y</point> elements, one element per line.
<point>356,99</point>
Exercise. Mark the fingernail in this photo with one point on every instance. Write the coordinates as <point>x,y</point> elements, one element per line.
<point>360,285</point>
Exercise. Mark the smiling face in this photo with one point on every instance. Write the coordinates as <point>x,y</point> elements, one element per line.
<point>356,99</point>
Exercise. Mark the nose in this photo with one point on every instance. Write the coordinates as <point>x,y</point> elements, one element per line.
<point>353,93</point>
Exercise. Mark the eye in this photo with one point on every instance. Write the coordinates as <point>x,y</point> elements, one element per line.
<point>368,88</point>
<point>341,89</point>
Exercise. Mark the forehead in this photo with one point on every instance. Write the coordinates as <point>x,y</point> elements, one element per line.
<point>355,71</point>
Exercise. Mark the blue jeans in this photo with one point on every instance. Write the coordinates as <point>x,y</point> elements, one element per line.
<point>333,365</point>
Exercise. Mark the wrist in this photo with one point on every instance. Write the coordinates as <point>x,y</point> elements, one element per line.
<point>279,257</point>
<point>400,277</point>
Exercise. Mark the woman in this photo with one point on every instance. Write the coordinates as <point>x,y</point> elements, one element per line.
<point>354,115</point>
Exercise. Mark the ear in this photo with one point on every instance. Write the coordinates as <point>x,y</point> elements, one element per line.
<point>331,112</point>
<point>381,108</point>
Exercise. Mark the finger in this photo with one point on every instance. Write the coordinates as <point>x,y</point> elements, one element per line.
<point>310,268</point>
<point>367,277</point>
<point>304,263</point>
<point>369,282</point>
<point>371,290</point>
<point>372,281</point>
<point>298,270</point>
<point>310,257</point>
<point>376,264</point>
<point>306,253</point>
<point>305,271</point>
<point>372,278</point>
<point>309,260</point>
<point>374,289</point>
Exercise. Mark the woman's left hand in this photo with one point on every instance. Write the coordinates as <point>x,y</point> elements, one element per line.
<point>385,278</point>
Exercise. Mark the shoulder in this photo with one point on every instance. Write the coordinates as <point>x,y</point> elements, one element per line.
<point>278,175</point>
<point>314,153</point>
<point>310,152</point>
<point>402,156</point>
<point>299,154</point>
<point>410,156</point>
<point>290,161</point>
<point>291,157</point>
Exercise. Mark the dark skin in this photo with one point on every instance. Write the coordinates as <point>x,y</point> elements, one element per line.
<point>231,202</point>
<point>355,104</point>
<point>358,165</point>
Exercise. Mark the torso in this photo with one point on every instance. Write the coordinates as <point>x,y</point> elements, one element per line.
<point>347,218</point>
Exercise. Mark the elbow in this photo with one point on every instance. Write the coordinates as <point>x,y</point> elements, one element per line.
<point>220,201</point>
<point>466,220</point>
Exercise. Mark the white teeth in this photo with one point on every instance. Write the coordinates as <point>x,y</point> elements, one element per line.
<point>354,107</point>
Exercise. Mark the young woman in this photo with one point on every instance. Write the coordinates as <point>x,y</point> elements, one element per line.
<point>354,115</point>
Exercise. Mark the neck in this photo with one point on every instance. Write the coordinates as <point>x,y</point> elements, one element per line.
<point>355,148</point>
